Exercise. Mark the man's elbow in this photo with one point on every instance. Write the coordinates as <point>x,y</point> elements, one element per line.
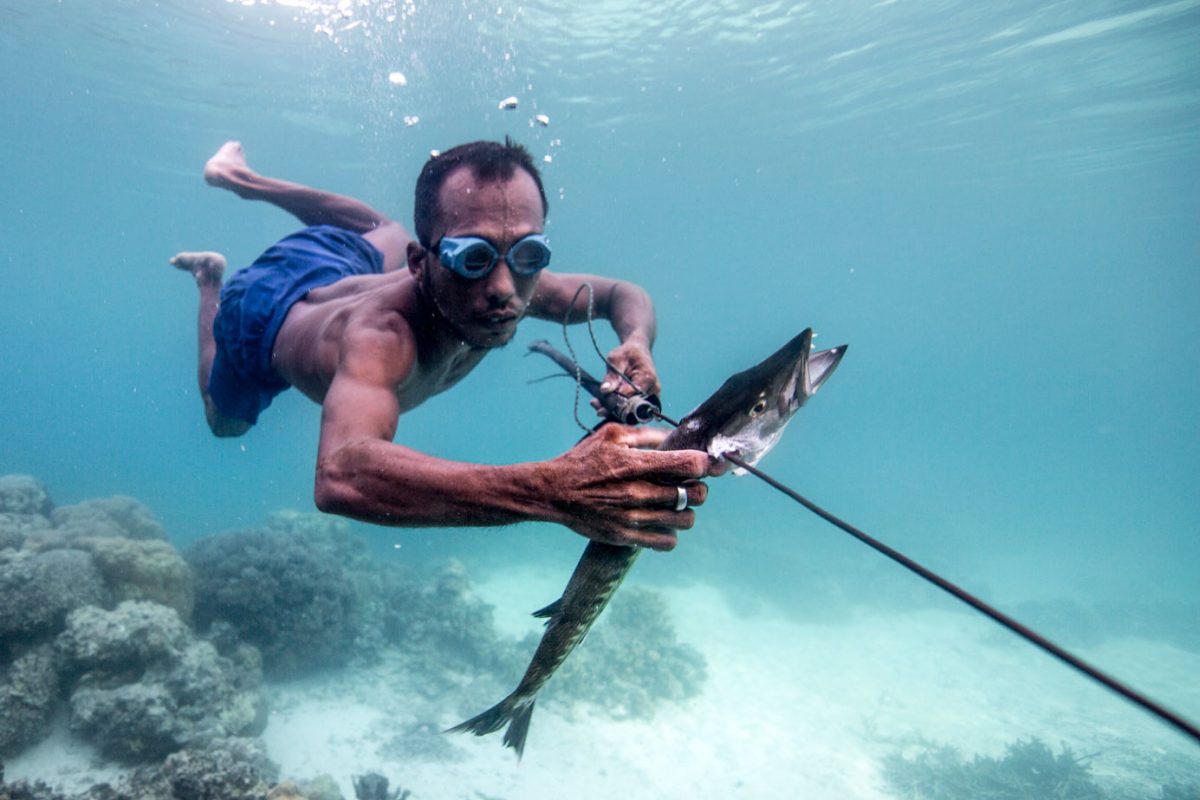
<point>333,492</point>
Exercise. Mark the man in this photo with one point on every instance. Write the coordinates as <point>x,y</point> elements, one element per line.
<point>370,323</point>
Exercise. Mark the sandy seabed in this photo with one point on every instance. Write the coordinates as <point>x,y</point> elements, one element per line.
<point>788,710</point>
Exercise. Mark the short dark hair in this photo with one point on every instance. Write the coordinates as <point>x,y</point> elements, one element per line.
<point>488,161</point>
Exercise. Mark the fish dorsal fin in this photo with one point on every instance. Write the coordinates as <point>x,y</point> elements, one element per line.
<point>550,611</point>
<point>820,366</point>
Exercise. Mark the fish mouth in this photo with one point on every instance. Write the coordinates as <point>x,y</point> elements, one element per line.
<point>791,385</point>
<point>808,370</point>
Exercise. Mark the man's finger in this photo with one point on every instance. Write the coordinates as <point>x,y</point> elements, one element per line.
<point>630,436</point>
<point>658,498</point>
<point>662,540</point>
<point>674,466</point>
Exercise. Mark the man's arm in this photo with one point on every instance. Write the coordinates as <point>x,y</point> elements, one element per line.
<point>605,488</point>
<point>626,306</point>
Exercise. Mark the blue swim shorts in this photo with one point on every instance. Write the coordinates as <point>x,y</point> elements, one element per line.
<point>255,301</point>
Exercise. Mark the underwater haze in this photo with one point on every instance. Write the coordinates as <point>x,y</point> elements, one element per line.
<point>996,205</point>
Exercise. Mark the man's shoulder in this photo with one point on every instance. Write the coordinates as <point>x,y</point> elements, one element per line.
<point>368,320</point>
<point>386,314</point>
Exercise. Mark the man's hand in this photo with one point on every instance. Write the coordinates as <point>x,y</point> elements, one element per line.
<point>633,359</point>
<point>608,489</point>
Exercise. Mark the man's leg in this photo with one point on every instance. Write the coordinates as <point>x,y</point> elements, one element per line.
<point>227,169</point>
<point>208,269</point>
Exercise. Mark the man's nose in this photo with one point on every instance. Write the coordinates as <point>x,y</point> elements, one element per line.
<point>500,286</point>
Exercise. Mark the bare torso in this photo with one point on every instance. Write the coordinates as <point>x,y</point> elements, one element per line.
<point>309,345</point>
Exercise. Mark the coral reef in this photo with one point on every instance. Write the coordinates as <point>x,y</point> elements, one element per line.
<point>39,790</point>
<point>220,769</point>
<point>146,687</point>
<point>98,608</point>
<point>223,769</point>
<point>281,593</point>
<point>24,495</point>
<point>122,555</point>
<point>25,508</point>
<point>327,533</point>
<point>117,516</point>
<point>76,560</point>
<point>632,661</point>
<point>1028,770</point>
<point>128,638</point>
<point>142,569</point>
<point>440,621</point>
<point>29,688</point>
<point>40,589</point>
<point>12,534</point>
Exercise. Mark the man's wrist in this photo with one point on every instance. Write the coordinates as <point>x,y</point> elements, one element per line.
<point>637,339</point>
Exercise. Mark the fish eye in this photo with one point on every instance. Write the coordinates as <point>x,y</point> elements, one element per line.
<point>759,407</point>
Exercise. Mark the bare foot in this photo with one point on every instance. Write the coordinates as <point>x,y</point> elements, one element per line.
<point>227,168</point>
<point>207,268</point>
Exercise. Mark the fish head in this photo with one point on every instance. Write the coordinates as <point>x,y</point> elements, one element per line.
<point>749,413</point>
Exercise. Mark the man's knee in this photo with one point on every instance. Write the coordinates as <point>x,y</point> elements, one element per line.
<point>221,425</point>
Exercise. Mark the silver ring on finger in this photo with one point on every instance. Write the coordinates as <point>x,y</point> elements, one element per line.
<point>681,499</point>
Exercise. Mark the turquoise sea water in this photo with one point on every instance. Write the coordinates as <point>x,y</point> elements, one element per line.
<point>995,205</point>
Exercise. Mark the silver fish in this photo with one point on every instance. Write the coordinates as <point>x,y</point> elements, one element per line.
<point>745,416</point>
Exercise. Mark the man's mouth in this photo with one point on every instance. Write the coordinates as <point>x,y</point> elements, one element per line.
<point>498,318</point>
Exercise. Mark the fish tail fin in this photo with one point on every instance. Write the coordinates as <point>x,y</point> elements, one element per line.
<point>518,729</point>
<point>510,711</point>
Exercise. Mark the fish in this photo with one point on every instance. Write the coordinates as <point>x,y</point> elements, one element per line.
<point>746,416</point>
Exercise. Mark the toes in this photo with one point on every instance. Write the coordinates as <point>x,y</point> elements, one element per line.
<point>205,267</point>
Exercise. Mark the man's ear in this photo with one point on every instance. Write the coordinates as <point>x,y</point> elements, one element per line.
<point>415,256</point>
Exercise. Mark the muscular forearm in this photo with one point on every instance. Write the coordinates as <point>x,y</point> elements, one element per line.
<point>607,488</point>
<point>389,484</point>
<point>630,311</point>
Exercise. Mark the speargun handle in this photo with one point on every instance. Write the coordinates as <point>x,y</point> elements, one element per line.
<point>632,410</point>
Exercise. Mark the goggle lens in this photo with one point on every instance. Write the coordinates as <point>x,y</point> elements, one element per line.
<point>528,256</point>
<point>478,259</point>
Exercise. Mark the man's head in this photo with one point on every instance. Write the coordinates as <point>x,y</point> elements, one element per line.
<point>488,191</point>
<point>489,162</point>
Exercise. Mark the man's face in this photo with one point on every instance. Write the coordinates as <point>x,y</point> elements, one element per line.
<point>485,311</point>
